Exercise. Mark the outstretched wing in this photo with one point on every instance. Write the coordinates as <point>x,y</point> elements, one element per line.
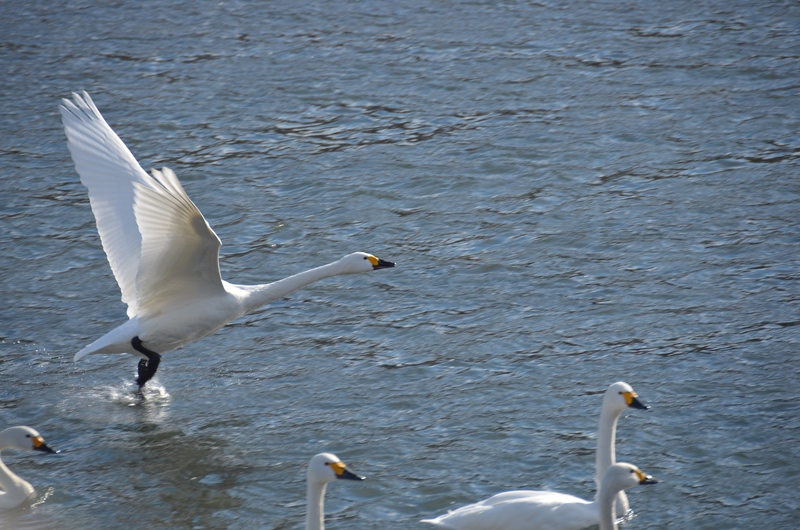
<point>108,169</point>
<point>158,244</point>
<point>180,251</point>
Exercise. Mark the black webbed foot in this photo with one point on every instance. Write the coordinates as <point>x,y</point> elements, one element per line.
<point>147,367</point>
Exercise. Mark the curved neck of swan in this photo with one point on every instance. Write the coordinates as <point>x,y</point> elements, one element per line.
<point>605,456</point>
<point>13,490</point>
<point>315,506</point>
<point>606,436</point>
<point>606,498</point>
<point>258,295</point>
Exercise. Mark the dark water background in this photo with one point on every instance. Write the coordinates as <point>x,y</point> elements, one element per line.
<point>575,192</point>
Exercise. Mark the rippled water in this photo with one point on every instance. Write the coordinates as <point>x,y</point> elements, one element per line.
<point>576,193</point>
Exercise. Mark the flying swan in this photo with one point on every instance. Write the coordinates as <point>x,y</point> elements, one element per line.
<point>322,469</point>
<point>617,398</point>
<point>545,510</point>
<point>163,253</point>
<point>14,490</point>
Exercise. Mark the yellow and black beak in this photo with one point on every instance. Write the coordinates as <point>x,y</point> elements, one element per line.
<point>39,445</point>
<point>342,472</point>
<point>378,263</point>
<point>633,401</point>
<point>645,479</point>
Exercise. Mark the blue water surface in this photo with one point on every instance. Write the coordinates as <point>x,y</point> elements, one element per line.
<point>575,193</point>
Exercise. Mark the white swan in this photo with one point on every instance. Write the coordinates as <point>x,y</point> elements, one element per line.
<point>14,490</point>
<point>543,510</point>
<point>322,469</point>
<point>162,251</point>
<point>617,397</point>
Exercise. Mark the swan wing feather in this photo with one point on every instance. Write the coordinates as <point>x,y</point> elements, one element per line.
<point>180,251</point>
<point>108,170</point>
<point>522,510</point>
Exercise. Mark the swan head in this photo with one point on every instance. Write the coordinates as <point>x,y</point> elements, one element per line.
<point>622,476</point>
<point>326,467</point>
<point>362,262</point>
<point>24,438</point>
<point>620,396</point>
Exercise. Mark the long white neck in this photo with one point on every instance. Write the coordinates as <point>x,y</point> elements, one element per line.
<point>259,295</point>
<point>606,498</point>
<point>605,456</point>
<point>13,490</point>
<point>315,505</point>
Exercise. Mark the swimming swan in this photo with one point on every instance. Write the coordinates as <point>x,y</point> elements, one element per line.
<point>162,251</point>
<point>544,510</point>
<point>14,490</point>
<point>322,469</point>
<point>617,397</point>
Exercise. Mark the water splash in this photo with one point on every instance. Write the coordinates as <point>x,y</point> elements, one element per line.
<point>127,393</point>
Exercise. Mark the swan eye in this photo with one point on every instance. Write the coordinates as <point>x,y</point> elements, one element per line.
<point>27,436</point>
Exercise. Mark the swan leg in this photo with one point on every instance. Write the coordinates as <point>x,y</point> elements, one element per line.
<point>147,367</point>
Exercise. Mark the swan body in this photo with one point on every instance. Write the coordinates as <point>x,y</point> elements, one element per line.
<point>547,509</point>
<point>163,253</point>
<point>13,489</point>
<point>544,510</point>
<point>322,469</point>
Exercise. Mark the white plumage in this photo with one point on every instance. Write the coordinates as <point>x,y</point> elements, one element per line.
<point>533,509</point>
<point>545,510</point>
<point>162,251</point>
<point>13,489</point>
<point>323,469</point>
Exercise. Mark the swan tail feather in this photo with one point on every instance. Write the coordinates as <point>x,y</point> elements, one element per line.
<point>118,340</point>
